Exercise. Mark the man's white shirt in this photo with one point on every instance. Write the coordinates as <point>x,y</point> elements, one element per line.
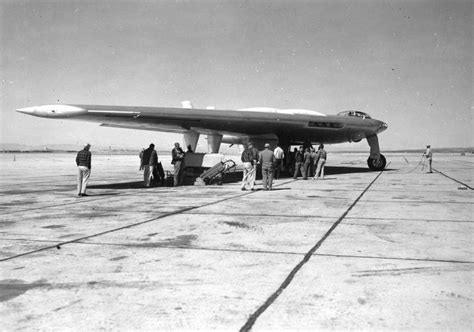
<point>278,153</point>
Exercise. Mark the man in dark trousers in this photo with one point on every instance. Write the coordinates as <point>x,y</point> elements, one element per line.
<point>279,156</point>
<point>428,155</point>
<point>299,159</point>
<point>177,155</point>
<point>83,162</point>
<point>149,162</point>
<point>267,159</point>
<point>153,163</point>
<point>314,162</point>
<point>306,163</point>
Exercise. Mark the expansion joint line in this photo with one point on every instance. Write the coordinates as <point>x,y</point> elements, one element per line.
<point>467,186</point>
<point>58,245</point>
<point>253,318</point>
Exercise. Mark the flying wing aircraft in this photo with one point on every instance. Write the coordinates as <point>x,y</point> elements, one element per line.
<point>258,125</point>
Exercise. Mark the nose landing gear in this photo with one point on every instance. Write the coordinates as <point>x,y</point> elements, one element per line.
<point>376,161</point>
<point>377,164</point>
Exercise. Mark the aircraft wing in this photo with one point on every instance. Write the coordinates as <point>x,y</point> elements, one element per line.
<point>251,121</point>
<point>292,126</point>
<point>259,125</point>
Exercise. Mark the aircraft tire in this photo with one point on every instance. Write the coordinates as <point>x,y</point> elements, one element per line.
<point>377,165</point>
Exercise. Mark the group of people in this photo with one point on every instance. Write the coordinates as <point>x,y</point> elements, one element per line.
<point>272,163</point>
<point>251,157</point>
<point>309,162</point>
<point>150,166</point>
<point>153,170</point>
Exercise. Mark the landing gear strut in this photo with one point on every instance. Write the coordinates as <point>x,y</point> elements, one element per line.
<point>376,161</point>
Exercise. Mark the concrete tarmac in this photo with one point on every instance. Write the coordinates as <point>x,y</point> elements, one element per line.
<point>360,250</point>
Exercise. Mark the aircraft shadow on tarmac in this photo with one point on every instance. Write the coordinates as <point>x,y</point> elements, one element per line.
<point>273,189</point>
<point>121,185</point>
<point>237,177</point>
<point>334,170</point>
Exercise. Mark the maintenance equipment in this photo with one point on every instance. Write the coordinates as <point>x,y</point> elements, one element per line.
<point>216,173</point>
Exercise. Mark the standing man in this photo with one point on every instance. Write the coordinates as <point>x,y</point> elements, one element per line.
<point>299,159</point>
<point>428,154</point>
<point>279,155</point>
<point>149,155</point>
<point>291,161</point>
<point>83,162</point>
<point>153,163</point>
<point>141,159</point>
<point>249,158</point>
<point>322,156</point>
<point>314,164</point>
<point>177,155</point>
<point>267,159</point>
<point>306,163</point>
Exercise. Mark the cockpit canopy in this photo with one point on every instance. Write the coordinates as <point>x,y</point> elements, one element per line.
<point>357,114</point>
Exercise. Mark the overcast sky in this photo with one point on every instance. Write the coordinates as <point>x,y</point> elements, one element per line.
<point>408,63</point>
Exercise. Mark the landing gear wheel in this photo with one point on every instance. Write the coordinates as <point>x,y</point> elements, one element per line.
<point>377,164</point>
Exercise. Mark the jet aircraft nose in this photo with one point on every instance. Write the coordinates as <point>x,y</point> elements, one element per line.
<point>27,110</point>
<point>383,126</point>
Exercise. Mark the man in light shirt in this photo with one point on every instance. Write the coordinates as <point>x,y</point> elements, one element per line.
<point>322,156</point>
<point>279,156</point>
<point>428,154</point>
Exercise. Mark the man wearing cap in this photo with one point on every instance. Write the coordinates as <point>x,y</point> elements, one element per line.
<point>267,159</point>
<point>428,154</point>
<point>249,158</point>
<point>83,162</point>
